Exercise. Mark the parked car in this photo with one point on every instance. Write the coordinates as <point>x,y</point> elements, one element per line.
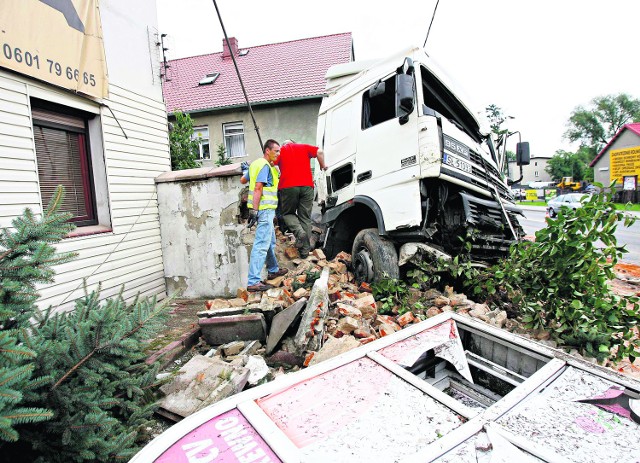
<point>570,200</point>
<point>519,194</point>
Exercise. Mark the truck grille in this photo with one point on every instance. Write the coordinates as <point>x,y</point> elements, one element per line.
<point>489,174</point>
<point>486,216</point>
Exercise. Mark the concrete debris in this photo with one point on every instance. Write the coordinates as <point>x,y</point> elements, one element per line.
<point>282,322</point>
<point>232,348</point>
<point>313,313</point>
<point>333,347</point>
<point>221,330</point>
<point>199,383</point>
<point>409,252</point>
<point>311,330</point>
<point>258,369</point>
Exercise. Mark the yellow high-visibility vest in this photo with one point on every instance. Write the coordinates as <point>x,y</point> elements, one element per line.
<point>269,199</point>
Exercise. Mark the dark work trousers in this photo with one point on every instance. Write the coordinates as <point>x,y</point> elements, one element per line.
<point>295,206</point>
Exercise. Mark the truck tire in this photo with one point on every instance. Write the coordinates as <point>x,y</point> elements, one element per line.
<point>373,257</point>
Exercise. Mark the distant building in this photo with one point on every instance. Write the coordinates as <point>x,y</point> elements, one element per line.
<point>620,160</point>
<point>534,172</point>
<point>284,82</point>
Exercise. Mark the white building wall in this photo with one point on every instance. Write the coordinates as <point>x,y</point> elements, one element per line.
<point>129,256</point>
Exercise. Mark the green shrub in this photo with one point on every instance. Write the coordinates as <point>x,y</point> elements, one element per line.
<point>559,283</point>
<point>74,386</point>
<point>223,159</point>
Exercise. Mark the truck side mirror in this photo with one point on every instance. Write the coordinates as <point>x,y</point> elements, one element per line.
<point>523,158</point>
<point>405,93</point>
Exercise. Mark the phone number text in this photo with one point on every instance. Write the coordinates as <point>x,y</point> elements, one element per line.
<point>33,60</point>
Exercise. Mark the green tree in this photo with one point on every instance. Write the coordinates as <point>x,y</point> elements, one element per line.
<point>182,146</point>
<point>26,257</point>
<point>223,160</point>
<point>497,119</point>
<point>74,386</point>
<point>593,126</point>
<point>568,164</point>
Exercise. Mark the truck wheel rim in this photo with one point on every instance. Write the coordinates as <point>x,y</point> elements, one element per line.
<point>363,266</point>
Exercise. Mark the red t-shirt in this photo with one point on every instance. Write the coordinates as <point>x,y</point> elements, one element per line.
<point>295,165</point>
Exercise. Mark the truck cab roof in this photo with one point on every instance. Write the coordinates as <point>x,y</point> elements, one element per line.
<point>347,78</point>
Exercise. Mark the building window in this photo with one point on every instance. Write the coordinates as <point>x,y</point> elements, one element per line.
<point>536,174</point>
<point>536,163</point>
<point>64,158</point>
<point>209,78</point>
<point>234,139</point>
<point>201,135</point>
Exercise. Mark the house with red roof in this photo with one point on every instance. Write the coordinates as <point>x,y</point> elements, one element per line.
<point>284,82</point>
<point>620,160</point>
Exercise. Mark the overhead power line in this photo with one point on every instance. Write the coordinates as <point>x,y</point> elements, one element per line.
<point>431,23</point>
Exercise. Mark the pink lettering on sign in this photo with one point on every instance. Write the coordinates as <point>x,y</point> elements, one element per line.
<point>227,438</point>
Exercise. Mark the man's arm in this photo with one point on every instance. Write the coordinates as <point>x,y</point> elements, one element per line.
<point>320,157</point>
<point>257,194</point>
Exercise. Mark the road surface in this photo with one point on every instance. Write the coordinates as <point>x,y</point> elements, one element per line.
<point>534,221</point>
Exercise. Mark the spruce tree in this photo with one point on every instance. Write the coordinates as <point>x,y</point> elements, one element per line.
<point>26,257</point>
<point>101,389</point>
<point>74,386</point>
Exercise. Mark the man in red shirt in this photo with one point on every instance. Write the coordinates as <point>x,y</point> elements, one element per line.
<point>296,189</point>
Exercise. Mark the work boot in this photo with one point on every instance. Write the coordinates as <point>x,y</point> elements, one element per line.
<point>279,273</point>
<point>259,287</point>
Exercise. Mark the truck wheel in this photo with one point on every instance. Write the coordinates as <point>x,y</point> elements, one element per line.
<point>374,258</point>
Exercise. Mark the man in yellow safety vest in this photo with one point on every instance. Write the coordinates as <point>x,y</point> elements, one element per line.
<point>262,202</point>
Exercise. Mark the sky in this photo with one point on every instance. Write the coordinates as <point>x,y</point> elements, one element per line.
<point>536,59</point>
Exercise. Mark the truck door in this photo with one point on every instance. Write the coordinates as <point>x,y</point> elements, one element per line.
<point>387,167</point>
<point>339,145</point>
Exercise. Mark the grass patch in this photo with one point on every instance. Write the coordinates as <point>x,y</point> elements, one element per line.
<point>627,207</point>
<point>618,206</point>
<point>532,203</point>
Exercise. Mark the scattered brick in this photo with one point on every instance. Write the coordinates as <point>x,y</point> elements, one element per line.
<point>406,318</point>
<point>277,281</point>
<point>433,311</point>
<point>243,294</point>
<point>308,358</point>
<point>319,254</point>
<point>292,253</point>
<point>386,329</point>
<point>300,293</point>
<point>364,287</point>
<point>347,325</point>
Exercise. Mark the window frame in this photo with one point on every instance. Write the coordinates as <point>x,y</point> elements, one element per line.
<point>390,93</point>
<point>83,155</point>
<point>225,137</point>
<point>201,140</point>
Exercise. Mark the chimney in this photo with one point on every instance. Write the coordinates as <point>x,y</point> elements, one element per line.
<point>234,47</point>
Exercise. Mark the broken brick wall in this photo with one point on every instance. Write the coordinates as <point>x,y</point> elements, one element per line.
<point>204,246</point>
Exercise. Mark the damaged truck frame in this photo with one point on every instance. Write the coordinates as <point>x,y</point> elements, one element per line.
<point>408,163</point>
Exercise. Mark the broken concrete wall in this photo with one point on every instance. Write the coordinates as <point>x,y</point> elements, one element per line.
<point>203,249</point>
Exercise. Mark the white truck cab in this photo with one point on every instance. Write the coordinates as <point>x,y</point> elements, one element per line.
<point>407,162</point>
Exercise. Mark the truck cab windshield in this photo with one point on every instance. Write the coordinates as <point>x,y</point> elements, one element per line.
<point>439,99</point>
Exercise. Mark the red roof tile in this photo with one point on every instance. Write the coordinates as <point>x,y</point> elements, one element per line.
<point>278,71</point>
<point>634,127</point>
